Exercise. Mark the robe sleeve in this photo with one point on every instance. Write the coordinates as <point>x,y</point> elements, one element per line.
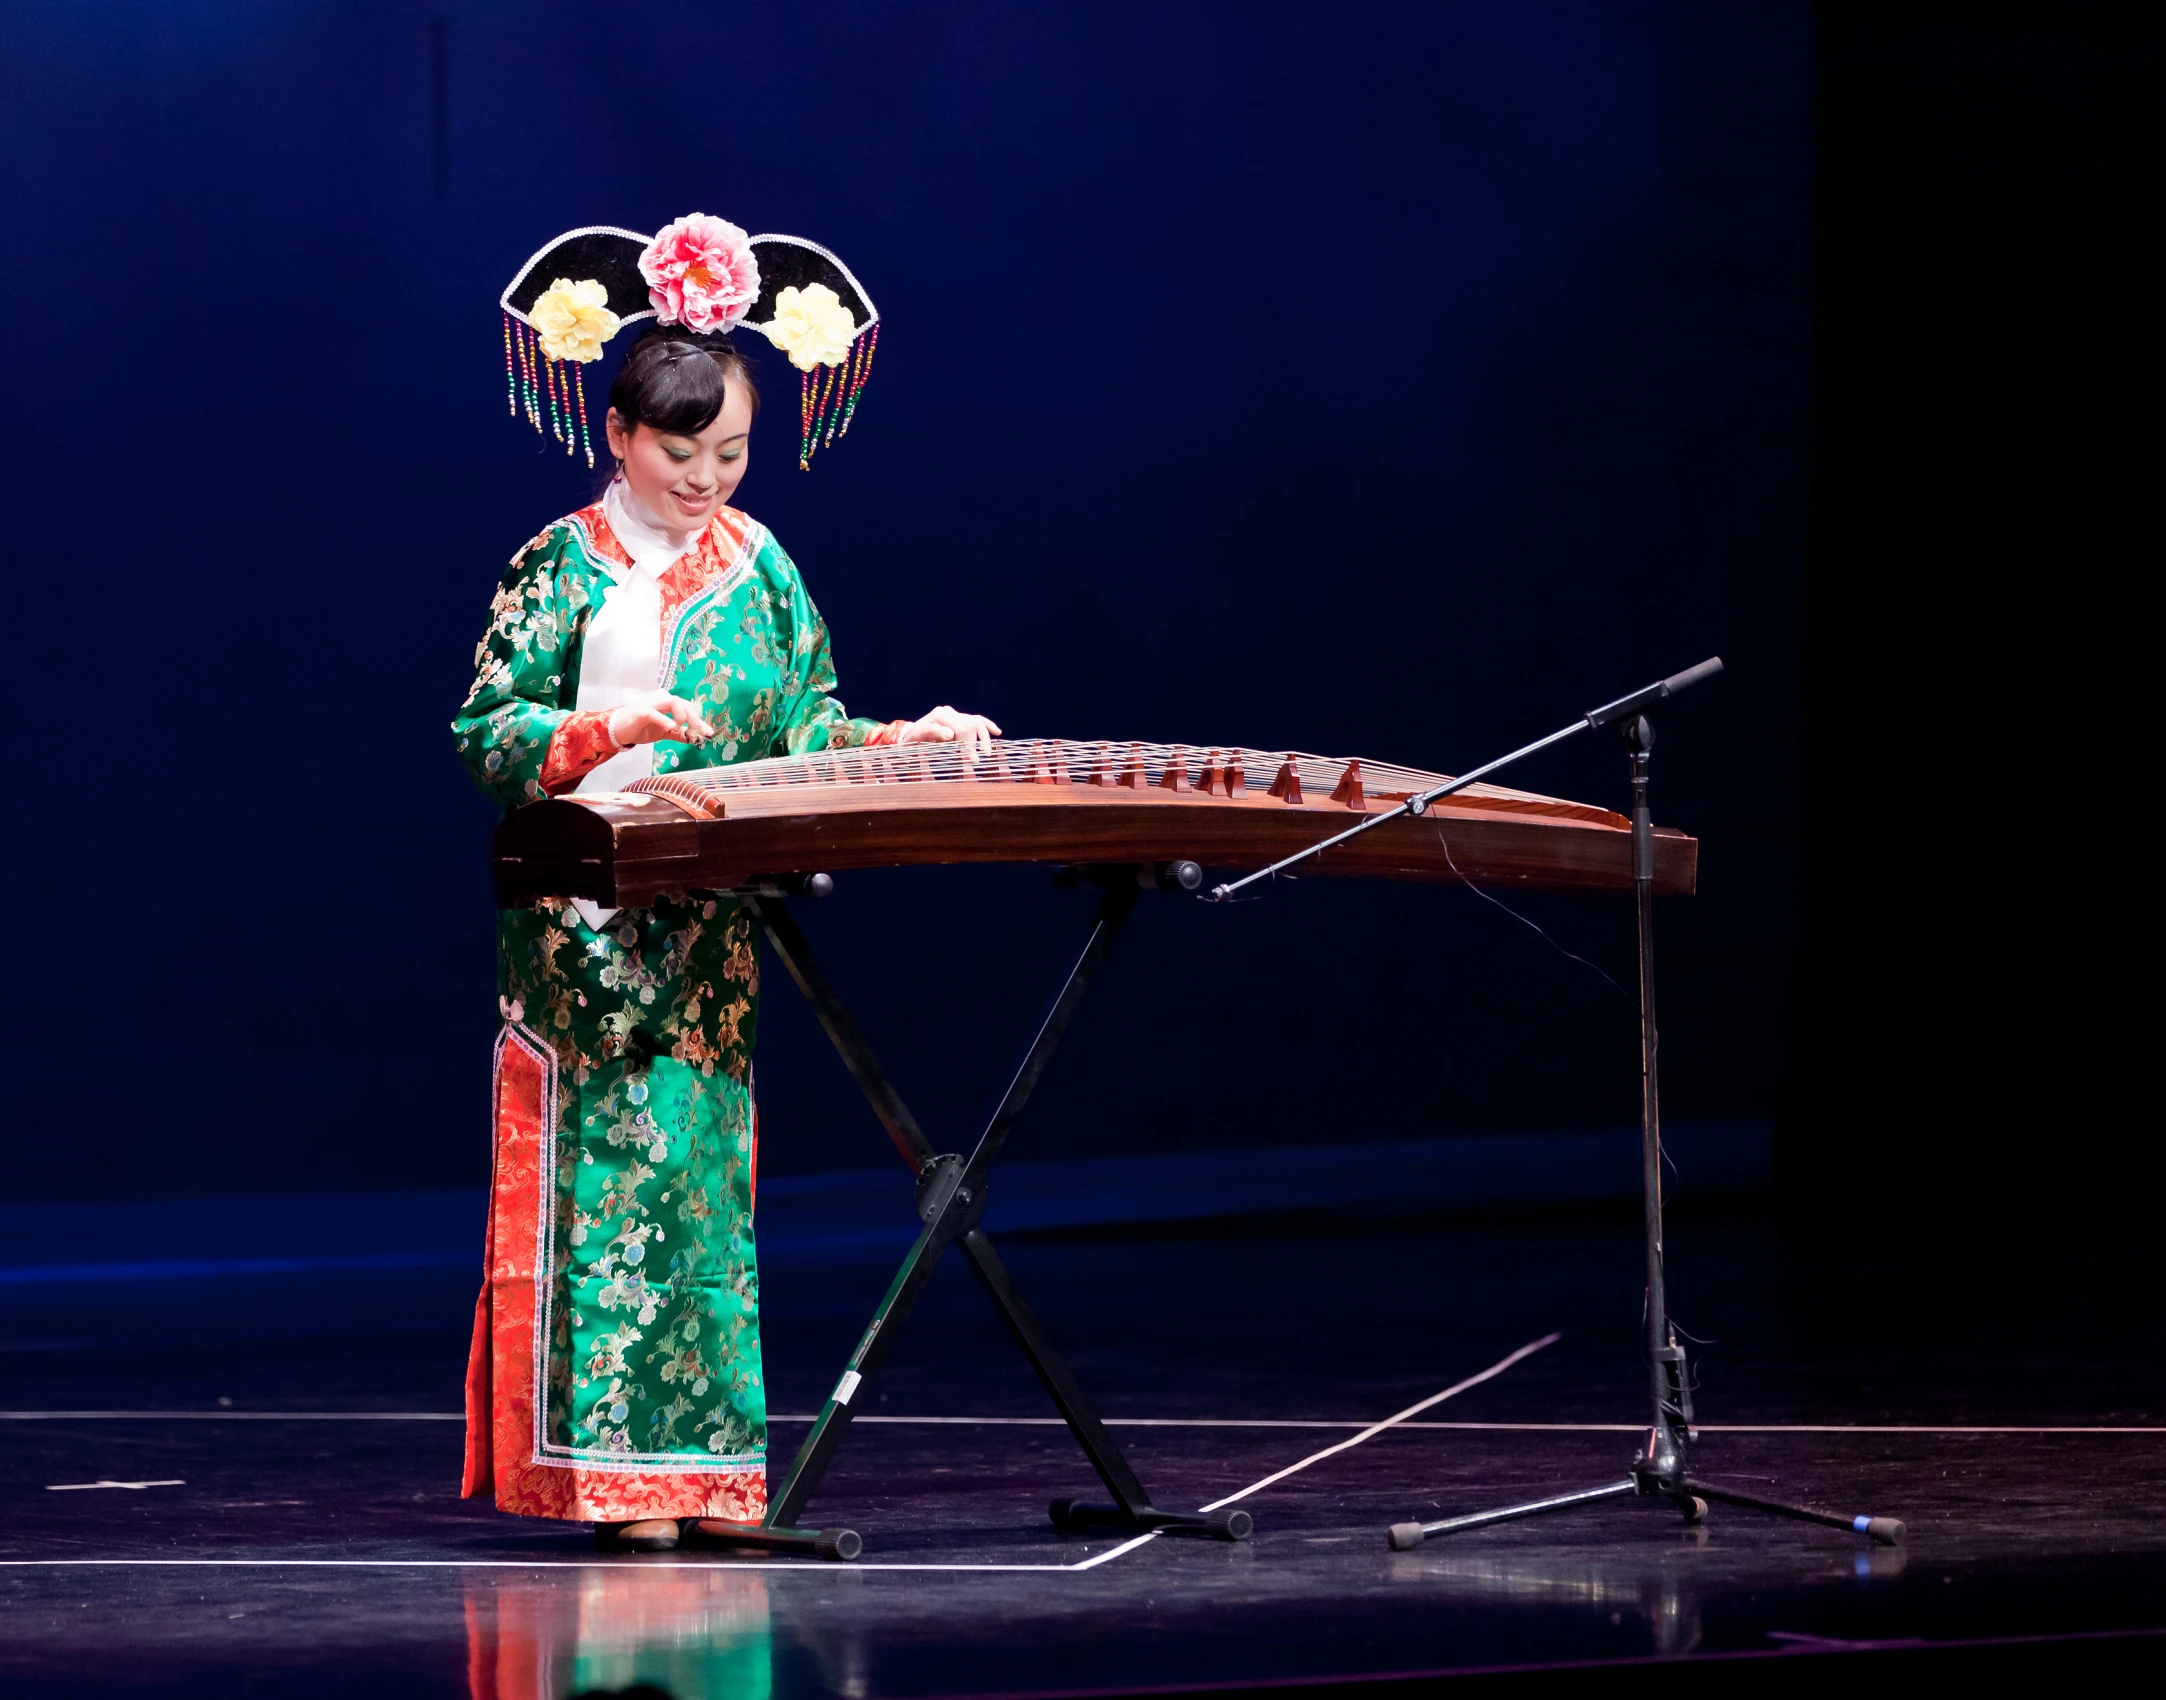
<point>810,717</point>
<point>508,729</point>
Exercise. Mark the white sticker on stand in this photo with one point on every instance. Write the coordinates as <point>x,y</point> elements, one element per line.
<point>847,1386</point>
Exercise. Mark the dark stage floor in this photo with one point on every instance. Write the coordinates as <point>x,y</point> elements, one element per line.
<point>325,1548</point>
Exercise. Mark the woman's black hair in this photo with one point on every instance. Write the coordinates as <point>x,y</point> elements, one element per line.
<point>675,380</point>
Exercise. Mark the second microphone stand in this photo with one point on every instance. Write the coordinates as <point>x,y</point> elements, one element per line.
<point>1661,1471</point>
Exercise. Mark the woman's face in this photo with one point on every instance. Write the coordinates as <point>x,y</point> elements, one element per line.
<point>679,480</point>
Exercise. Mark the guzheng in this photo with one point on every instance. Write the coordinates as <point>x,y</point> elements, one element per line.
<point>1053,800</point>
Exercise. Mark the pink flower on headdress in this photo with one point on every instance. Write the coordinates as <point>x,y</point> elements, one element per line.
<point>700,273</point>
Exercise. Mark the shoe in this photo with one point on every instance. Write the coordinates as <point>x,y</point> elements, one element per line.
<point>655,1534</point>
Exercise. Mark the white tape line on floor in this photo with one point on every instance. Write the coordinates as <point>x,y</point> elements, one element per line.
<point>1496,1369</point>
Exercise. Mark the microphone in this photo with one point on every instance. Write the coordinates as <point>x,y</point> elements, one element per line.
<point>1624,707</point>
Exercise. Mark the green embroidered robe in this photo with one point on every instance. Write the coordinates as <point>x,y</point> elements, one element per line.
<point>616,1366</point>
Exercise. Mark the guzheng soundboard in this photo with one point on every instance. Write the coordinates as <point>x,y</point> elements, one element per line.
<point>1058,801</point>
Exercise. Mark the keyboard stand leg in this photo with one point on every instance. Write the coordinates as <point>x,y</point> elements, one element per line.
<point>1132,1508</point>
<point>951,1197</point>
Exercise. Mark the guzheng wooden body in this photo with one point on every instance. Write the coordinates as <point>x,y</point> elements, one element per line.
<point>1054,800</point>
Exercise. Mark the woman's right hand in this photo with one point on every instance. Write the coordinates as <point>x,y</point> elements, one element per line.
<point>657,715</point>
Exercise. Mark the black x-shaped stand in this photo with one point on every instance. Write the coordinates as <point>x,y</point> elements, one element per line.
<point>950,1198</point>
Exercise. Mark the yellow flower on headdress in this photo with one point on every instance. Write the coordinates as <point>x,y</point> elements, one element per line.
<point>574,320</point>
<point>811,326</point>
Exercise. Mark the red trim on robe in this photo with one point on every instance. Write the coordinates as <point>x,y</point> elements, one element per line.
<point>601,540</point>
<point>891,733</point>
<point>501,1398</point>
<point>579,745</point>
<point>707,560</point>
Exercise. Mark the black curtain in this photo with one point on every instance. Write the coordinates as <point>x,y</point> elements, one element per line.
<point>1975,987</point>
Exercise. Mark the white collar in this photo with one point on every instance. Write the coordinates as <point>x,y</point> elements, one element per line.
<point>649,546</point>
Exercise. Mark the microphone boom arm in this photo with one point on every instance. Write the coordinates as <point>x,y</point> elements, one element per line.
<point>1594,719</point>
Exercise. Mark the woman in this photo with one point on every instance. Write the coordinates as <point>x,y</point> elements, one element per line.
<point>616,1375</point>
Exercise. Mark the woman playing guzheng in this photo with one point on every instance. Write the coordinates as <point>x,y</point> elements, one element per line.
<point>615,1373</point>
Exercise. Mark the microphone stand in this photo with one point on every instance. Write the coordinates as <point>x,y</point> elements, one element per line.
<point>1661,1470</point>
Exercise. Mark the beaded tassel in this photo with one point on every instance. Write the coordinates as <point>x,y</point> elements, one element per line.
<point>821,384</point>
<point>827,399</point>
<point>552,393</point>
<point>842,373</point>
<point>856,370</point>
<point>528,355</point>
<point>870,345</point>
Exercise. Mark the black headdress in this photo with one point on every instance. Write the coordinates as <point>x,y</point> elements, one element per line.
<point>705,274</point>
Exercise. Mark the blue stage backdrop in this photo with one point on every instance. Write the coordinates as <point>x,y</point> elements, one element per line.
<point>1394,380</point>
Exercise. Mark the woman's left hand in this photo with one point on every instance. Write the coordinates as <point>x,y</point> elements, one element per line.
<point>945,726</point>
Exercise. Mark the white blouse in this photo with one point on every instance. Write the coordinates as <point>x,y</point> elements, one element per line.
<point>622,655</point>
